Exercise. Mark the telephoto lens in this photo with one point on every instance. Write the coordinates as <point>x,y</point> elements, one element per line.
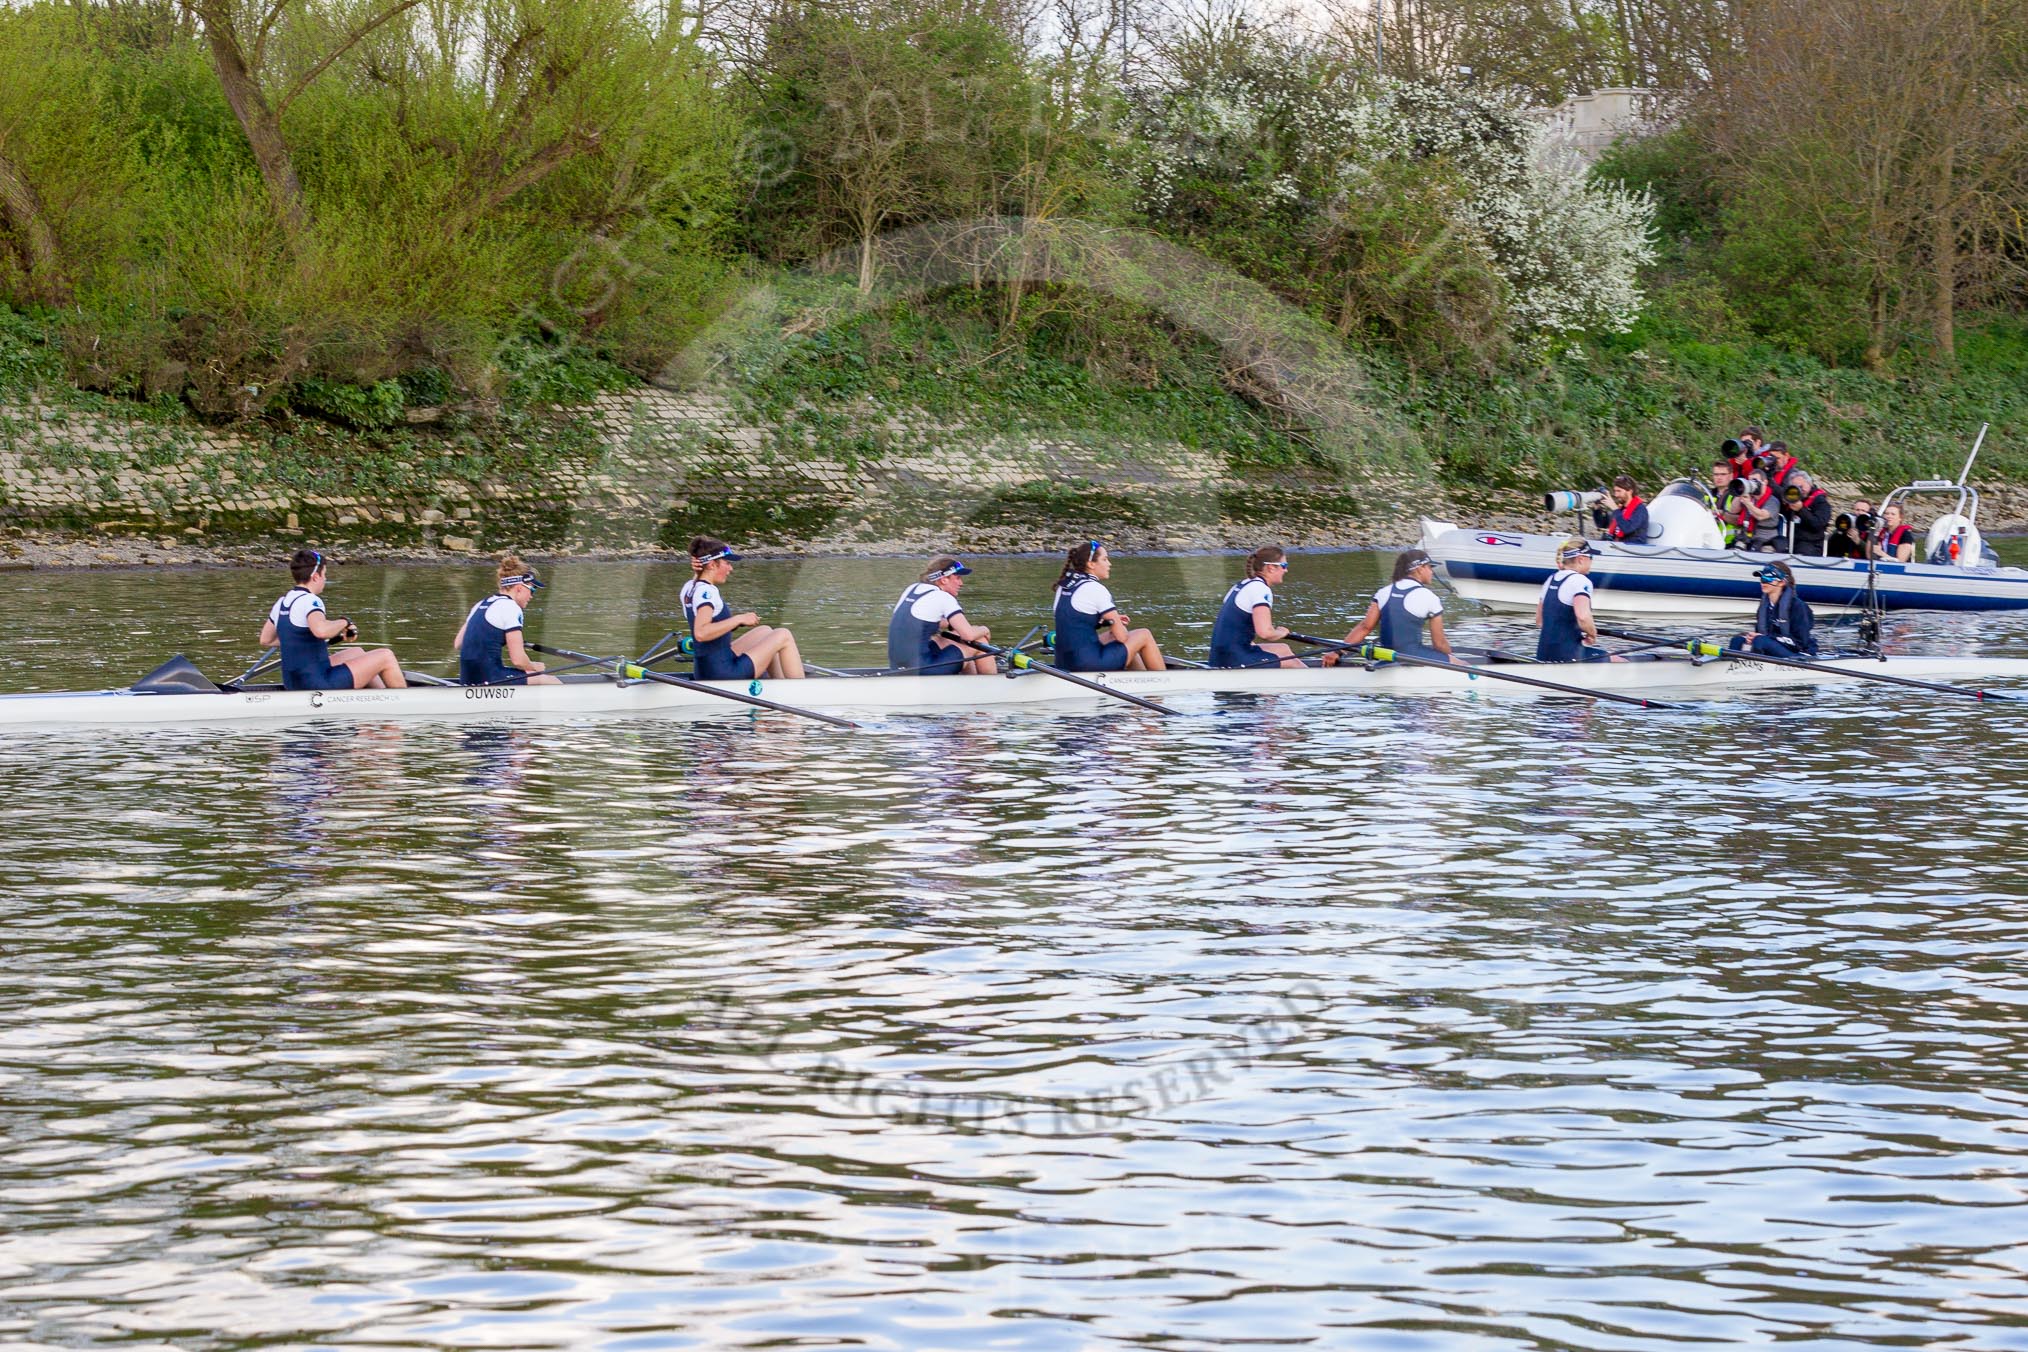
<point>1730,447</point>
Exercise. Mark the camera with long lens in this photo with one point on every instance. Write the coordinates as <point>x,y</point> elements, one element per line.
<point>1568,501</point>
<point>1865,522</point>
<point>1731,449</point>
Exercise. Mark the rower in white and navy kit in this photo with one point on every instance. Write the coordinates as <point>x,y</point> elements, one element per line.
<point>1399,611</point>
<point>1563,611</point>
<point>1245,633</point>
<point>300,626</point>
<point>764,650</point>
<point>490,647</point>
<point>1091,633</point>
<point>928,609</point>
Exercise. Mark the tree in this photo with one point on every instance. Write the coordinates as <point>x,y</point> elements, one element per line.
<point>1892,130</point>
<point>244,38</point>
<point>897,114</point>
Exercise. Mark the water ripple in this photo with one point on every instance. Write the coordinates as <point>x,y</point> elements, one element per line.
<point>1377,1024</point>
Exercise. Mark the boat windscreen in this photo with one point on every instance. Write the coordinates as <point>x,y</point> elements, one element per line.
<point>1688,488</point>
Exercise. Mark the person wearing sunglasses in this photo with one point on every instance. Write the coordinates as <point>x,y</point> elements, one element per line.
<point>929,612</point>
<point>1783,626</point>
<point>1091,633</point>
<point>724,654</point>
<point>1245,633</point>
<point>1399,611</point>
<point>1563,609</point>
<point>303,629</point>
<point>489,643</point>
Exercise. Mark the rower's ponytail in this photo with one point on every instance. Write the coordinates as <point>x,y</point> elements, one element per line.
<point>703,547</point>
<point>510,565</point>
<point>1262,557</point>
<point>1077,561</point>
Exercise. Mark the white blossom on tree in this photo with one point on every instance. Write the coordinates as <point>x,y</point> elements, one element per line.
<point>1283,138</point>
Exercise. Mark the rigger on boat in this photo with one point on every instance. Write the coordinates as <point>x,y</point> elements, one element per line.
<point>1398,647</point>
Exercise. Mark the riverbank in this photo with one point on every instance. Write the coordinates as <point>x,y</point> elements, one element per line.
<point>1386,526</point>
<point>848,446</point>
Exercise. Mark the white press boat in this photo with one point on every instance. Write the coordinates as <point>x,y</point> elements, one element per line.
<point>1686,570</point>
<point>1672,677</point>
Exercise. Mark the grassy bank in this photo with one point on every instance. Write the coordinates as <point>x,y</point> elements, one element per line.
<point>1657,405</point>
<point>867,386</point>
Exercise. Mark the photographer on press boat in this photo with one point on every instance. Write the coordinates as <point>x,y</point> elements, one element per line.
<point>1851,532</point>
<point>1741,451</point>
<point>1726,490</point>
<point>1807,509</point>
<point>1776,465</point>
<point>1896,542</point>
<point>1758,525</point>
<point>1627,519</point>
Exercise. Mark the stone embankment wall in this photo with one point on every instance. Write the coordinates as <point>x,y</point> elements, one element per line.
<point>659,467</point>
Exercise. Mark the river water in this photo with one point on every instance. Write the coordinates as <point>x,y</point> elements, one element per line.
<point>1330,1023</point>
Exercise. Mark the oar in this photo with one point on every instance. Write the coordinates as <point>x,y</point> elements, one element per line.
<point>632,672</point>
<point>267,659</point>
<point>546,671</point>
<point>1700,648</point>
<point>656,651</point>
<point>1374,653</point>
<point>1023,662</point>
<point>876,673</point>
<point>1495,654</point>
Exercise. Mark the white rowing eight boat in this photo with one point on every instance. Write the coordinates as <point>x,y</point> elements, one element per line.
<point>588,694</point>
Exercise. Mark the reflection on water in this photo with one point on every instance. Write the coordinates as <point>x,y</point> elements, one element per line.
<point>1403,1023</point>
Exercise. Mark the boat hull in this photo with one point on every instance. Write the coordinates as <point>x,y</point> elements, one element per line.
<point>1672,677</point>
<point>1506,569</point>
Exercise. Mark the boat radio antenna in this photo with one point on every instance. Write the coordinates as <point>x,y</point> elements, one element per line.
<point>1965,474</point>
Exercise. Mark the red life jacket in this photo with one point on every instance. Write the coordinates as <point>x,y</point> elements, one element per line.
<point>1747,521</point>
<point>1892,540</point>
<point>1618,529</point>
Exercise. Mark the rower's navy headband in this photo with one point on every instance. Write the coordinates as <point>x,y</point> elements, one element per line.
<point>520,580</point>
<point>957,569</point>
<point>725,554</point>
<point>1771,574</point>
